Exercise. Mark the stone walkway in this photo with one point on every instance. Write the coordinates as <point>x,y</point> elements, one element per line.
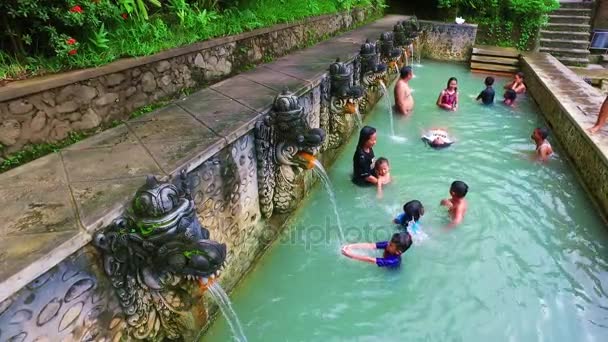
<point>51,207</point>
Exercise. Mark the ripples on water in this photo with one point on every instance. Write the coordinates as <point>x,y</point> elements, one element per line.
<point>530,262</point>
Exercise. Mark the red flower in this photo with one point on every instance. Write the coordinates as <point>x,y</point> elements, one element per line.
<point>71,41</point>
<point>76,9</point>
<point>124,16</point>
<point>72,52</point>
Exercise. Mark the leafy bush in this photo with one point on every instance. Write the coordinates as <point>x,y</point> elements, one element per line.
<point>40,36</point>
<point>507,22</point>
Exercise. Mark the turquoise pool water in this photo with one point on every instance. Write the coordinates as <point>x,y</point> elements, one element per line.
<point>530,262</point>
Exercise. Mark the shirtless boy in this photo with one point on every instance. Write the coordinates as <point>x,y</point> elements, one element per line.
<point>543,147</point>
<point>404,102</point>
<point>457,205</point>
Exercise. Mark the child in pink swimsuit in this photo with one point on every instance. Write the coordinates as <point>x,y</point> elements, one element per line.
<point>448,99</point>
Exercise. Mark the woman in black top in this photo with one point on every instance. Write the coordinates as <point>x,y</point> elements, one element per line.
<point>364,157</point>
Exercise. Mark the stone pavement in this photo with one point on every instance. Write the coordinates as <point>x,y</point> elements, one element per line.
<point>51,207</point>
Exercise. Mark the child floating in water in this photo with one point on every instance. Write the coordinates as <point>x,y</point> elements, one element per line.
<point>400,242</point>
<point>448,98</point>
<point>412,212</point>
<point>543,147</point>
<point>510,96</point>
<point>382,173</point>
<point>457,205</point>
<point>487,95</point>
<point>437,138</point>
<point>517,84</point>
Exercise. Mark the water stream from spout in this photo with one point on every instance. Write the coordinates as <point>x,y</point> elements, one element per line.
<point>389,109</point>
<point>319,170</point>
<point>222,300</point>
<point>358,118</point>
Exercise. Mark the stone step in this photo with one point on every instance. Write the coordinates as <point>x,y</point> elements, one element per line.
<point>568,19</point>
<point>570,61</point>
<point>559,52</point>
<point>494,67</point>
<point>564,43</point>
<point>576,4</point>
<point>495,51</point>
<point>495,60</point>
<point>566,35</point>
<point>573,11</point>
<point>568,27</point>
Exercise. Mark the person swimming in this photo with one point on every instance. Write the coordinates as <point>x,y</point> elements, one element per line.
<point>543,147</point>
<point>404,102</point>
<point>517,85</point>
<point>437,138</point>
<point>510,96</point>
<point>412,212</point>
<point>448,98</point>
<point>457,205</point>
<point>399,243</point>
<point>363,159</point>
<point>487,95</point>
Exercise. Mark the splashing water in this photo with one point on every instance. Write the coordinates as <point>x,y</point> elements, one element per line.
<point>320,172</point>
<point>389,108</point>
<point>222,300</point>
<point>358,118</point>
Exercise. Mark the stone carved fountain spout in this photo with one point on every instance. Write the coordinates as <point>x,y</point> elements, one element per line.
<point>285,146</point>
<point>389,53</point>
<point>154,256</point>
<point>372,73</point>
<point>343,101</point>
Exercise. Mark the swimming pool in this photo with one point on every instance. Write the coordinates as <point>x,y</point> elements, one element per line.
<point>529,263</point>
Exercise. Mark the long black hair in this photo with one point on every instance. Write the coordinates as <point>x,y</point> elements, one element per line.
<point>449,81</point>
<point>364,134</point>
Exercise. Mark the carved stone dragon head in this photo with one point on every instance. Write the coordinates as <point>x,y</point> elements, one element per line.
<point>344,94</point>
<point>293,132</point>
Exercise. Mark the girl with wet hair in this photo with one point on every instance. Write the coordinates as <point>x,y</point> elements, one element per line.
<point>448,98</point>
<point>363,159</point>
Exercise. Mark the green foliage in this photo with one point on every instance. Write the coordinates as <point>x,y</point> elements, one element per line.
<point>42,36</point>
<point>507,22</point>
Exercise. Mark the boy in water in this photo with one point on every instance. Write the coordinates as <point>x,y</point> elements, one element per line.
<point>400,242</point>
<point>487,95</point>
<point>457,205</point>
<point>543,147</point>
<point>382,173</point>
<point>510,96</point>
<point>517,84</point>
<point>404,102</point>
<point>412,211</point>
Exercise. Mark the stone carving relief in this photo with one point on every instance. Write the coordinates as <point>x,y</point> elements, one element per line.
<point>285,145</point>
<point>390,55</point>
<point>372,73</point>
<point>154,256</point>
<point>71,302</point>
<point>343,103</point>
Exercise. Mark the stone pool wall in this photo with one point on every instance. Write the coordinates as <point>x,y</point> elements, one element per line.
<point>570,106</point>
<point>445,41</point>
<point>53,284</point>
<point>47,109</point>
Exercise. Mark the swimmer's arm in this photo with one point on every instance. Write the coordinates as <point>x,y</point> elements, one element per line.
<point>509,85</point>
<point>446,203</point>
<point>371,179</point>
<point>544,153</point>
<point>346,252</point>
<point>399,98</point>
<point>455,102</point>
<point>479,96</point>
<point>521,88</point>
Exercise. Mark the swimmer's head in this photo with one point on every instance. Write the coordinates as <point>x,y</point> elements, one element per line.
<point>381,166</point>
<point>367,137</point>
<point>437,142</point>
<point>489,81</point>
<point>519,77</point>
<point>400,242</point>
<point>452,83</point>
<point>414,210</point>
<point>459,189</point>
<point>540,134</point>
<point>510,96</point>
<point>406,73</point>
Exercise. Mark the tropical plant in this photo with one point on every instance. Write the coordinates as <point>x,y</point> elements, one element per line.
<point>137,7</point>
